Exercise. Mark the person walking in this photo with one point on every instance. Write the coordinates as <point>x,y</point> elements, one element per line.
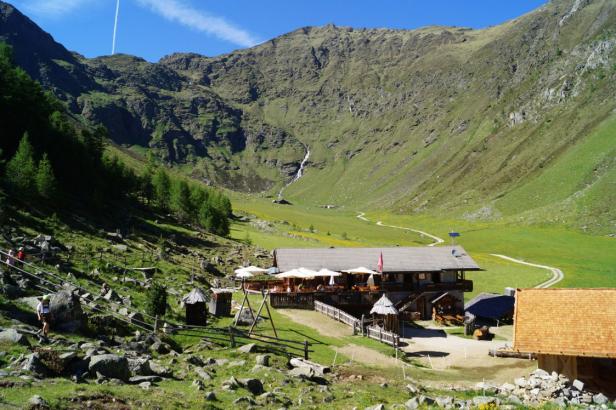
<point>43,311</point>
<point>21,256</point>
<point>10,260</point>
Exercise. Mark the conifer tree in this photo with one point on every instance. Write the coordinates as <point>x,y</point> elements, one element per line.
<point>46,183</point>
<point>161,186</point>
<point>21,169</point>
<point>180,200</point>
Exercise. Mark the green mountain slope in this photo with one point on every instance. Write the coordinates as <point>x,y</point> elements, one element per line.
<point>511,121</point>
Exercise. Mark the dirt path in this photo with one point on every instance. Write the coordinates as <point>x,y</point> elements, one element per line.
<point>367,356</point>
<point>329,327</point>
<point>436,239</point>
<point>439,351</point>
<point>557,274</point>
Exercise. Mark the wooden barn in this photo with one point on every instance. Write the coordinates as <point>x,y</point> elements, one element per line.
<point>414,278</point>
<point>572,332</point>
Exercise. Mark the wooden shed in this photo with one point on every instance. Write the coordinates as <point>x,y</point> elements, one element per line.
<point>196,313</point>
<point>572,332</point>
<point>220,302</point>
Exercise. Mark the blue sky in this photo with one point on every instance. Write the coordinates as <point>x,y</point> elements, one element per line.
<point>154,28</point>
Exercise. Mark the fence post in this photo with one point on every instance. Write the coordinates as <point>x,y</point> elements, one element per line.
<point>305,349</point>
<point>363,318</point>
<point>156,324</point>
<point>231,337</point>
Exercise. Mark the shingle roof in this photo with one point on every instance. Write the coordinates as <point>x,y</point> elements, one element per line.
<point>384,306</point>
<point>398,259</point>
<point>195,296</point>
<point>570,322</point>
<point>490,306</point>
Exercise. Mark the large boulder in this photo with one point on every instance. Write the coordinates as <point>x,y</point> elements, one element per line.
<point>12,336</point>
<point>66,312</point>
<point>111,366</point>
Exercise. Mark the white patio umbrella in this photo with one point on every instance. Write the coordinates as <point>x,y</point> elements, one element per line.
<point>290,274</point>
<point>327,272</point>
<point>248,272</point>
<point>361,271</point>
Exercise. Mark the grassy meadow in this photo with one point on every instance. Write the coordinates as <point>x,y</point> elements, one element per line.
<point>586,260</point>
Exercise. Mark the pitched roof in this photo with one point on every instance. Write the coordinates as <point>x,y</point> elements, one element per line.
<point>569,322</point>
<point>384,306</point>
<point>195,296</point>
<point>398,259</point>
<point>490,306</point>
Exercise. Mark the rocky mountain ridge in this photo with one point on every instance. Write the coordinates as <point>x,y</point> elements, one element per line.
<point>481,122</point>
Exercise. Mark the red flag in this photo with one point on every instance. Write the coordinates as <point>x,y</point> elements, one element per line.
<point>380,263</point>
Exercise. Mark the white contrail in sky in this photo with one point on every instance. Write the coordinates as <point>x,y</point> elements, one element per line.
<point>179,11</point>
<point>115,28</point>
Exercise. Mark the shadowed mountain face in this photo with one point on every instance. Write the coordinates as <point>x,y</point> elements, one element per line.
<point>514,120</point>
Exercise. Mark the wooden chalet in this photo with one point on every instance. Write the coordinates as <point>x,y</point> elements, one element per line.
<point>413,278</point>
<point>571,331</point>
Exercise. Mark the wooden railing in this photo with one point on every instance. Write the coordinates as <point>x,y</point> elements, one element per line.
<point>337,314</point>
<point>292,300</point>
<point>384,336</point>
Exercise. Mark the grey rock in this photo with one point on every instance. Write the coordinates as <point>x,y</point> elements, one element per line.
<point>160,370</point>
<point>145,385</point>
<point>248,348</point>
<point>36,402</point>
<point>68,356</point>
<point>302,372</point>
<point>376,407</point>
<point>507,388</point>
<point>198,384</point>
<point>111,366</point>
<point>600,399</point>
<point>412,404</point>
<point>412,388</point>
<point>484,400</point>
<point>197,361</point>
<point>444,401</point>
<point>560,402</point>
<point>520,382</point>
<point>515,400</point>
<point>202,373</point>
<point>65,309</point>
<point>12,336</point>
<point>578,385</point>
<point>33,364</point>
<point>141,379</point>
<point>210,396</point>
<point>231,384</point>
<point>237,363</point>
<point>255,386</point>
<point>245,400</point>
<point>263,360</point>
<point>139,367</point>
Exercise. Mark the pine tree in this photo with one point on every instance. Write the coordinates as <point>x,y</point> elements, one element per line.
<point>21,169</point>
<point>180,200</point>
<point>156,300</point>
<point>161,185</point>
<point>213,220</point>
<point>46,184</point>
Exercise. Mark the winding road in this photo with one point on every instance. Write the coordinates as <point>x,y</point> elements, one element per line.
<point>557,274</point>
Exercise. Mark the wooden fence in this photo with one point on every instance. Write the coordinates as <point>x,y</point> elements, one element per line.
<point>338,315</point>
<point>384,336</point>
<point>292,300</point>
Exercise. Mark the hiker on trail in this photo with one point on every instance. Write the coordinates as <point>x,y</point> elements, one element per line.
<point>21,256</point>
<point>43,311</point>
<point>10,259</point>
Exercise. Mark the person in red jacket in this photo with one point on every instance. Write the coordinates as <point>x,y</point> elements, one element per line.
<point>21,256</point>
